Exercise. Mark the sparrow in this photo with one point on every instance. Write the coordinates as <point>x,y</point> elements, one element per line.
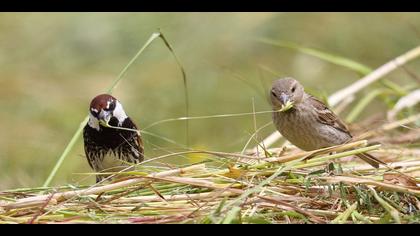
<point>109,149</point>
<point>306,122</point>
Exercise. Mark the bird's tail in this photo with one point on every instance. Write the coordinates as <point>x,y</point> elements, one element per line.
<point>373,161</point>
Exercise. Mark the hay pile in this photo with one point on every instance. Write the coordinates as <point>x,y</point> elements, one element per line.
<point>282,185</point>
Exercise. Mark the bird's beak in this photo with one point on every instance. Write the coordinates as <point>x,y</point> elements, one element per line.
<point>284,98</point>
<point>286,104</point>
<point>104,118</point>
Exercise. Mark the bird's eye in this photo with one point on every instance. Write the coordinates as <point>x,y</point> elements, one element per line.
<point>94,113</point>
<point>111,107</point>
<point>293,89</point>
<point>273,93</point>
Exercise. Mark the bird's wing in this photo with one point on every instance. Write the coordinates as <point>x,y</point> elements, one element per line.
<point>88,144</point>
<point>326,116</point>
<point>128,123</point>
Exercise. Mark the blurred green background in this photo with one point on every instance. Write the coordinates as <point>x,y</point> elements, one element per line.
<point>53,64</point>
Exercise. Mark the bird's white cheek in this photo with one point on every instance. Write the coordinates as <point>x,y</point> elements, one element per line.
<point>93,122</point>
<point>119,113</point>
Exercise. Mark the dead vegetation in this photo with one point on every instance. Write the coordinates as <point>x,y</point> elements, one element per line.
<point>282,185</point>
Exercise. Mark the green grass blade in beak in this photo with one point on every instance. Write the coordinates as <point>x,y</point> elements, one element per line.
<point>287,106</point>
<point>103,123</point>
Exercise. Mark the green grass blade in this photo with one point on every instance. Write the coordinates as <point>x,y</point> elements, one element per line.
<point>399,90</point>
<point>342,218</point>
<point>184,78</point>
<point>362,218</point>
<point>124,71</point>
<point>391,210</point>
<point>357,110</point>
<point>232,215</point>
<point>338,60</point>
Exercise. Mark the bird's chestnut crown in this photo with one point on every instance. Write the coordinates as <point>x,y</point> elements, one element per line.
<point>284,90</point>
<point>102,102</point>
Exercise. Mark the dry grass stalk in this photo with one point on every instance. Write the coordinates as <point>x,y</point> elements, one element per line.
<point>57,197</point>
<point>365,181</point>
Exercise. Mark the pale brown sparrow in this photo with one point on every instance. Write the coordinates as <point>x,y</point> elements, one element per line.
<point>306,122</point>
